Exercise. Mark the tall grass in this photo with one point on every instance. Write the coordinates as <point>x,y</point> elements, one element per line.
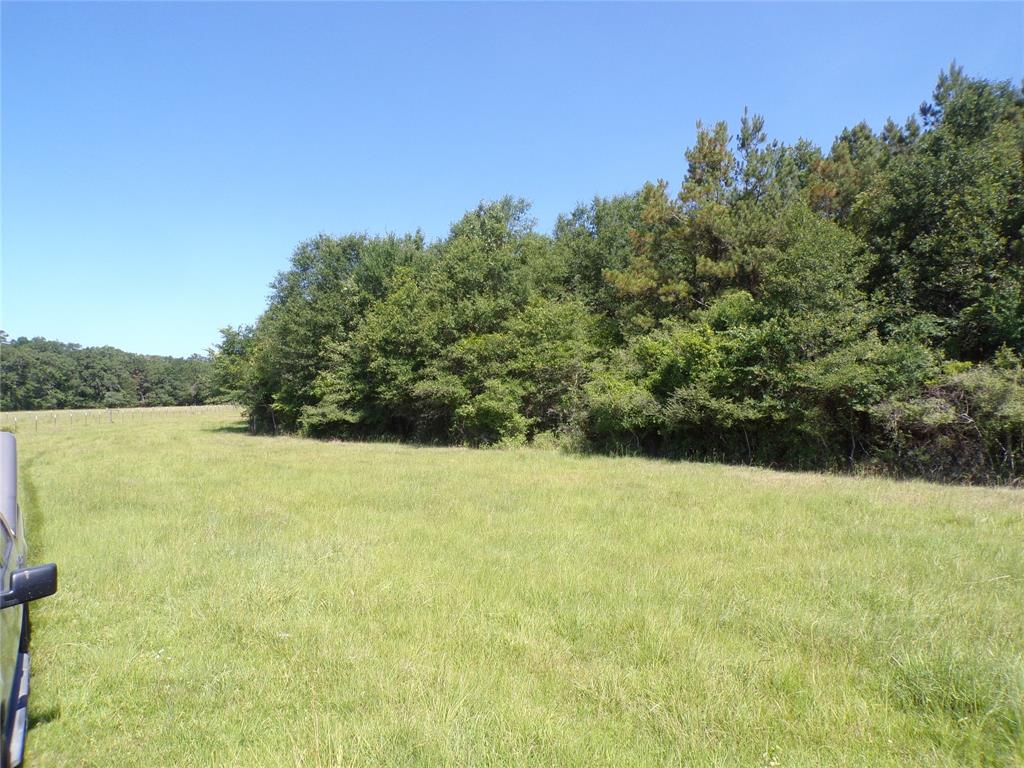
<point>235,600</point>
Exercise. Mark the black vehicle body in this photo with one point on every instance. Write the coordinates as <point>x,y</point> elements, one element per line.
<point>19,585</point>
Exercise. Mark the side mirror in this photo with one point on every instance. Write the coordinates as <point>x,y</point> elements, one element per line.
<point>30,584</point>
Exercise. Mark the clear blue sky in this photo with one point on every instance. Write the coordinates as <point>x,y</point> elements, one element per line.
<point>161,161</point>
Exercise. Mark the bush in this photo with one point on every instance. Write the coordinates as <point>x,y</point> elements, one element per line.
<point>966,427</point>
<point>618,412</point>
<point>493,416</point>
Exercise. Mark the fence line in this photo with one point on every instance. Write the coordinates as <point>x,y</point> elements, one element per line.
<point>80,418</point>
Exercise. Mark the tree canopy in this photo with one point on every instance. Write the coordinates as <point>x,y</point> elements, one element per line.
<point>37,374</point>
<point>862,307</point>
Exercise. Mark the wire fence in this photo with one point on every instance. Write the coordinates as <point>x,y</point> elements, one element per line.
<point>82,418</point>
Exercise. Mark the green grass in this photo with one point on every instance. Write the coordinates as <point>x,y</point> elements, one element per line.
<point>246,601</point>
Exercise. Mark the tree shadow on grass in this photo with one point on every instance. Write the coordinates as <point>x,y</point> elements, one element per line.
<point>233,429</point>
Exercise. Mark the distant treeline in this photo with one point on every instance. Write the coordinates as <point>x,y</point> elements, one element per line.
<point>37,374</point>
<point>860,308</point>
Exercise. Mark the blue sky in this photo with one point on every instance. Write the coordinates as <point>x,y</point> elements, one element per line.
<point>161,161</point>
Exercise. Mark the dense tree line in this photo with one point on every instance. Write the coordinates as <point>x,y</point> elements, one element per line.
<point>37,374</point>
<point>862,307</point>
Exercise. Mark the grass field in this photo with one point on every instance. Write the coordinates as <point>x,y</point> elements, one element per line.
<point>245,601</point>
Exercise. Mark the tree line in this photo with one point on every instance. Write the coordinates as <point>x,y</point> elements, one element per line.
<point>856,308</point>
<point>38,374</point>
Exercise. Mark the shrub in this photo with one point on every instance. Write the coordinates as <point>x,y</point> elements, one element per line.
<point>493,416</point>
<point>968,426</point>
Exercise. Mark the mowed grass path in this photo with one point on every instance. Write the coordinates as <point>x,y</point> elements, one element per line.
<point>247,601</point>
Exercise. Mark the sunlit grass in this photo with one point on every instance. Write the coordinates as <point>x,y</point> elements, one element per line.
<point>242,601</point>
